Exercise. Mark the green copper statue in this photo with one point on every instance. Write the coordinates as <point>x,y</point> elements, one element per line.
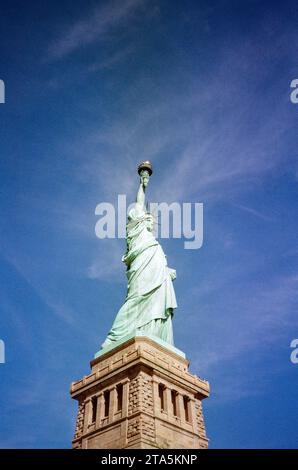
<point>150,300</point>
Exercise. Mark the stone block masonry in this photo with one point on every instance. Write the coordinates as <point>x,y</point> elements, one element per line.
<point>140,395</point>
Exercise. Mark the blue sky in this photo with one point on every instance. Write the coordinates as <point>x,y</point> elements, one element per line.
<point>201,88</point>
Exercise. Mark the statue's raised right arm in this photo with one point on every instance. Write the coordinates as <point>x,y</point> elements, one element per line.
<point>140,202</point>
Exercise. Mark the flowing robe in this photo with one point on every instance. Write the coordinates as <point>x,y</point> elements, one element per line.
<point>150,300</point>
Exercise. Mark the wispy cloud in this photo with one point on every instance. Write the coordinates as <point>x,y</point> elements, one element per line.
<point>106,264</point>
<point>211,142</point>
<point>252,320</point>
<point>254,212</point>
<point>113,59</point>
<point>23,266</point>
<point>94,27</point>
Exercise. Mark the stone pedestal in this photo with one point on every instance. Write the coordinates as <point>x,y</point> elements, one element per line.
<point>140,395</point>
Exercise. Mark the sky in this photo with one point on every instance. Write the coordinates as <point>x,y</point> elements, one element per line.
<point>202,89</point>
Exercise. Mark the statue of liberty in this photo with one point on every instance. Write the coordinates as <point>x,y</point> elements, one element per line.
<point>150,301</point>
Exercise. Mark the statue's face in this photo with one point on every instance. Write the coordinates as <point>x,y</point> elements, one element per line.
<point>150,224</point>
<point>145,177</point>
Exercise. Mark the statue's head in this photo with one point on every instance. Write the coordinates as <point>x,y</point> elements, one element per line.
<point>149,222</point>
<point>144,174</point>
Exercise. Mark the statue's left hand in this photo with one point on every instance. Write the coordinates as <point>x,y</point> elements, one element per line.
<point>173,273</point>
